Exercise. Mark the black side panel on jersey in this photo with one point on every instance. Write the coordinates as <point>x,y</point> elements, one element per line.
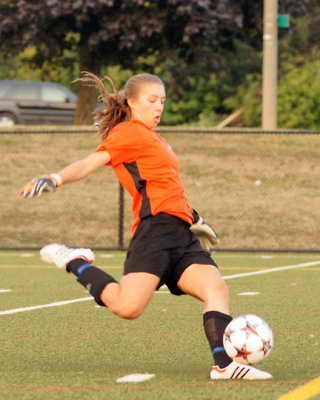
<point>140,185</point>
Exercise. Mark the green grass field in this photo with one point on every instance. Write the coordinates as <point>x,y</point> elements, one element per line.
<point>78,350</point>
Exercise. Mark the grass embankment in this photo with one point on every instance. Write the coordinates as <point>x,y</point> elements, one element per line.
<point>256,190</point>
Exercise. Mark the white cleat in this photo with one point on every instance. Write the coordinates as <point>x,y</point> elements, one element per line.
<point>238,371</point>
<point>61,255</point>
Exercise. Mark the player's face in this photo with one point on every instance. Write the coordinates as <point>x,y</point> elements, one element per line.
<point>148,105</point>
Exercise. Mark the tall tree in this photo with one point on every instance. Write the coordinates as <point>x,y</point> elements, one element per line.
<point>110,32</point>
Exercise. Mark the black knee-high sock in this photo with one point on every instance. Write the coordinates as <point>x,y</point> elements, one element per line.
<point>92,278</point>
<point>215,324</point>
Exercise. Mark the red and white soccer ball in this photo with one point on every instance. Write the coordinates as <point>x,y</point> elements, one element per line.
<point>248,339</point>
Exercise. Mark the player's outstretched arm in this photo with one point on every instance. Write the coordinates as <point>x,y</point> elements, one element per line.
<point>207,236</point>
<point>73,172</point>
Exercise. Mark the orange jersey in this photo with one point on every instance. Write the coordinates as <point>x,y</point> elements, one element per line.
<point>148,169</point>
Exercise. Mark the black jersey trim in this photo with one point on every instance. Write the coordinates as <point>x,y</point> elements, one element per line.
<point>141,186</point>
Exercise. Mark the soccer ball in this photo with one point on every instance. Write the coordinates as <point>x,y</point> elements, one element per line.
<point>248,339</point>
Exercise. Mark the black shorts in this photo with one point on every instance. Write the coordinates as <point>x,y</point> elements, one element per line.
<point>164,245</point>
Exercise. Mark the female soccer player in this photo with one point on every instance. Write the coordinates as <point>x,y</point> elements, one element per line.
<point>163,249</point>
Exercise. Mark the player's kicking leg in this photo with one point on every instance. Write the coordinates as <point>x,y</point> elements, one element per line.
<point>137,289</point>
<point>126,299</point>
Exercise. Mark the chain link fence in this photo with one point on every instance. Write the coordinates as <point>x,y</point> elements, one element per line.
<point>260,190</point>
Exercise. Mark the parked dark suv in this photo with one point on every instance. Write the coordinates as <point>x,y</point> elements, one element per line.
<point>33,102</point>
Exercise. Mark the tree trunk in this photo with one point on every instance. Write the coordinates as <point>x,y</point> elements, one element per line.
<point>87,95</point>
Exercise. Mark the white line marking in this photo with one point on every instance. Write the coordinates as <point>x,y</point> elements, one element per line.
<point>5,290</point>
<point>58,303</point>
<point>61,303</point>
<point>248,293</point>
<point>266,271</point>
<point>135,378</point>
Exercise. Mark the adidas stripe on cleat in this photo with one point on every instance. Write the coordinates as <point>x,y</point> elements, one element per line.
<point>238,371</point>
<point>61,255</point>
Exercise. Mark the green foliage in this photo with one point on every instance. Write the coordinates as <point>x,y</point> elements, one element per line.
<point>248,95</point>
<point>299,97</point>
<point>298,81</point>
<point>63,69</point>
<point>207,53</point>
<point>298,42</point>
<point>109,31</point>
<point>201,95</point>
<point>195,100</point>
<point>112,33</point>
<point>117,74</point>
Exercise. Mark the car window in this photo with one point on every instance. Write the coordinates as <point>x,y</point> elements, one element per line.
<point>53,94</point>
<point>23,93</point>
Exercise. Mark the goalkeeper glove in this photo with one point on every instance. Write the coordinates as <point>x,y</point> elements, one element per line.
<point>205,233</point>
<point>35,187</point>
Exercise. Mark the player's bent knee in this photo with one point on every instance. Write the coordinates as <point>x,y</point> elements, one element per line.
<point>210,291</point>
<point>127,312</point>
<point>219,285</point>
<point>216,285</point>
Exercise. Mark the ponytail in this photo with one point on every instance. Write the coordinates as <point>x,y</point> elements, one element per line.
<point>115,106</point>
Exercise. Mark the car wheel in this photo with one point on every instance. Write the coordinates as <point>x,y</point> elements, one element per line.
<point>7,119</point>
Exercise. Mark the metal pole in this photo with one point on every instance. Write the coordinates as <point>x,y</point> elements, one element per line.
<point>270,65</point>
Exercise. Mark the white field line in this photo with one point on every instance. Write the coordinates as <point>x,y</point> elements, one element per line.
<point>61,303</point>
<point>56,304</point>
<point>266,271</point>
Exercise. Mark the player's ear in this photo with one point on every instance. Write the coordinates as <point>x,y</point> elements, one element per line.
<point>131,103</point>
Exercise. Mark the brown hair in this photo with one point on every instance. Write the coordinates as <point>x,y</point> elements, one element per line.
<point>116,108</point>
